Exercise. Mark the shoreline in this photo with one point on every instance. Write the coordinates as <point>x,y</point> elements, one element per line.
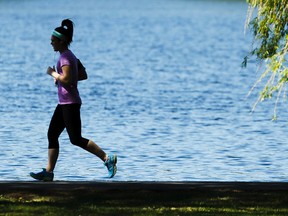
<point>140,185</point>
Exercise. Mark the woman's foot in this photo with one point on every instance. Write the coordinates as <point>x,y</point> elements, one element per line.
<point>110,163</point>
<point>43,175</point>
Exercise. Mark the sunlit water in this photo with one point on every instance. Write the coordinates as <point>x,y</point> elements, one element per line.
<point>166,92</point>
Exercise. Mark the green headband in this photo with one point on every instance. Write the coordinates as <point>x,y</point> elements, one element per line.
<point>59,35</point>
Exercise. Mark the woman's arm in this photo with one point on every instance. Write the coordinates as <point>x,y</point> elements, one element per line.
<point>82,74</point>
<point>65,78</point>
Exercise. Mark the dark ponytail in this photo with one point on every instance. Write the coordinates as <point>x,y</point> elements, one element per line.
<point>66,29</point>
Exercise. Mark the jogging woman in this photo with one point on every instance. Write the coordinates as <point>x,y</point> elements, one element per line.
<point>67,112</point>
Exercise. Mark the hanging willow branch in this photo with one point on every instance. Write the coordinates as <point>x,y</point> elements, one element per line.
<point>270,46</point>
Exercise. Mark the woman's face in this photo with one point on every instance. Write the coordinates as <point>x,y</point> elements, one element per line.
<point>56,43</point>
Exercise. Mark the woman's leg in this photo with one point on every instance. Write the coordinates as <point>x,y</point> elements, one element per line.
<point>93,148</point>
<point>72,119</point>
<point>56,127</point>
<point>52,159</point>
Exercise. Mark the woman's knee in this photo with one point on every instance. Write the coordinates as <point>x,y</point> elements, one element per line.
<point>81,142</point>
<point>52,141</point>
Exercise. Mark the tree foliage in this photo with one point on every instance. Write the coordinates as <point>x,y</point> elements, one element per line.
<point>270,45</point>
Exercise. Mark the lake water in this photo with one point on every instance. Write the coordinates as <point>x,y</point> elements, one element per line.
<point>166,92</point>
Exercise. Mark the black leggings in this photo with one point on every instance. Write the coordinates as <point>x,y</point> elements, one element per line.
<point>66,116</point>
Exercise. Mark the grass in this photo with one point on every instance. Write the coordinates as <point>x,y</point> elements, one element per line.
<point>144,203</point>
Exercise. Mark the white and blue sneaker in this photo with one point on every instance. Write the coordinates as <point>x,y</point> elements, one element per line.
<point>110,163</point>
<point>43,175</point>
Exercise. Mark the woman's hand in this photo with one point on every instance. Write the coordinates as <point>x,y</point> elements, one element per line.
<point>51,71</point>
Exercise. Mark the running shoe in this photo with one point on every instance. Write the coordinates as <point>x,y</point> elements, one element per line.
<point>43,175</point>
<point>110,163</point>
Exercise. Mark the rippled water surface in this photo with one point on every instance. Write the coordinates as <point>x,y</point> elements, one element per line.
<point>165,92</point>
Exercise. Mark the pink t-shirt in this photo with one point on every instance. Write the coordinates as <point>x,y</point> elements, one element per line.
<point>68,94</point>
